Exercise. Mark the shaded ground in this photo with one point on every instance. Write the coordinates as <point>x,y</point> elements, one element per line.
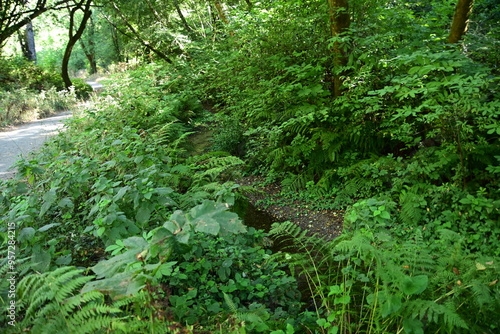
<point>325,223</point>
<point>268,199</point>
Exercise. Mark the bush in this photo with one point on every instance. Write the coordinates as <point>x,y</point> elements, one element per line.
<point>82,89</point>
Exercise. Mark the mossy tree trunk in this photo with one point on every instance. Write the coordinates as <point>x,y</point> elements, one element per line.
<point>340,21</point>
<point>460,20</point>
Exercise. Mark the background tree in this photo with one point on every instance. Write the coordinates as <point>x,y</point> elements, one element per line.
<point>74,36</point>
<point>338,11</point>
<point>27,41</point>
<point>88,46</point>
<point>15,14</point>
<point>460,22</point>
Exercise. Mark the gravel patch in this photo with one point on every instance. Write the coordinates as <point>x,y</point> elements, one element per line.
<point>327,224</point>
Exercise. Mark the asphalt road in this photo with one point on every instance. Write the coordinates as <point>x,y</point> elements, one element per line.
<point>19,141</point>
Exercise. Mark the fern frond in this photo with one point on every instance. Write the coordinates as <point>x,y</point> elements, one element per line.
<point>56,306</point>
<point>232,306</point>
<point>167,133</point>
<point>286,228</point>
<point>436,313</point>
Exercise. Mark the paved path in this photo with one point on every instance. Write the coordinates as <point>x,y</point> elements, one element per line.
<point>19,141</point>
<point>95,85</point>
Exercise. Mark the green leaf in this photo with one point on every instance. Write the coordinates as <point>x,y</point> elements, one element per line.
<point>66,202</point>
<point>390,304</point>
<point>48,227</point>
<point>40,259</point>
<point>143,214</point>
<point>161,243</point>
<point>183,236</point>
<point>208,225</point>
<point>26,233</point>
<point>412,285</point>
<point>122,284</point>
<point>121,193</point>
<point>346,299</point>
<point>385,215</point>
<point>64,260</point>
<point>214,308</point>
<point>100,231</point>
<point>48,199</point>
<point>335,290</point>
<point>414,70</point>
<point>176,222</point>
<point>413,326</point>
<point>166,269</point>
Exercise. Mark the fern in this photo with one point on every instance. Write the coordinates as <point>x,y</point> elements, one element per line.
<point>442,315</point>
<point>213,167</point>
<point>53,305</point>
<point>246,318</point>
<point>360,264</point>
<point>167,133</point>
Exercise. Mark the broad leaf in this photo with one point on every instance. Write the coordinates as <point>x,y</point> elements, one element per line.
<point>414,285</point>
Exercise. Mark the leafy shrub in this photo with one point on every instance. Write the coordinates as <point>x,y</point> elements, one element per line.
<point>236,268</point>
<point>374,279</point>
<point>82,89</point>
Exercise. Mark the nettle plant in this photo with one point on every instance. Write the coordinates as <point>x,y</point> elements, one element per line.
<point>207,266</point>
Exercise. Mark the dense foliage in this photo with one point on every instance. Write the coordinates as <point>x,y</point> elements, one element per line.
<point>28,92</point>
<point>131,210</point>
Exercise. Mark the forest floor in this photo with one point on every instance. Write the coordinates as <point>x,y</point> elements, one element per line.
<point>269,200</point>
<point>327,224</point>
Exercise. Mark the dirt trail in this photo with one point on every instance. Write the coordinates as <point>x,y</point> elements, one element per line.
<point>19,141</point>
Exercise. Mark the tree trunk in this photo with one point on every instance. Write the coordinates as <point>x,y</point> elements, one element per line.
<point>220,11</point>
<point>89,48</point>
<point>27,41</point>
<point>222,15</point>
<point>249,4</point>
<point>73,38</point>
<point>181,16</point>
<point>460,20</point>
<point>339,24</point>
<point>16,14</point>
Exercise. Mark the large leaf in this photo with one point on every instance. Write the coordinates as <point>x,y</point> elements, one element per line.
<point>209,214</point>
<point>143,213</point>
<point>207,225</point>
<point>209,217</point>
<point>122,284</point>
<point>414,285</point>
<point>413,326</point>
<point>161,243</point>
<point>389,303</point>
<point>26,233</point>
<point>48,199</point>
<point>106,268</point>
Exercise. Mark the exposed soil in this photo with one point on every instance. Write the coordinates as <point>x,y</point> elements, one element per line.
<point>327,224</point>
<point>269,199</point>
